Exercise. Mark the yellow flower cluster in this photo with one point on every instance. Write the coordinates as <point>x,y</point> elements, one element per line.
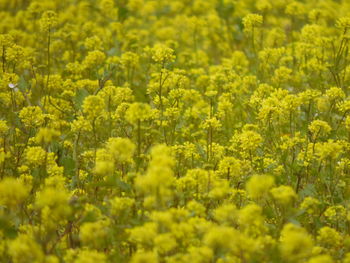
<point>174,131</point>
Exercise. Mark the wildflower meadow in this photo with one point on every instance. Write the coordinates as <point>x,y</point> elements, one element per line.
<point>174,131</point>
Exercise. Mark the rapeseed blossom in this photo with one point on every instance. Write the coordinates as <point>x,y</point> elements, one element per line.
<point>174,131</point>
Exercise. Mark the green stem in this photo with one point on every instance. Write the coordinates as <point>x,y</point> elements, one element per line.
<point>138,144</point>
<point>48,64</point>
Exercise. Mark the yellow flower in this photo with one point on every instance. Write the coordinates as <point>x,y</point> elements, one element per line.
<point>104,163</point>
<point>259,186</point>
<point>94,59</point>
<point>335,93</point>
<point>48,21</point>
<point>138,112</point>
<point>284,194</point>
<point>217,236</point>
<point>321,259</point>
<point>310,204</point>
<point>252,21</point>
<point>93,107</point>
<point>12,192</point>
<point>90,256</point>
<point>343,23</point>
<point>329,238</point>
<point>251,216</point>
<point>35,156</point>
<point>329,150</point>
<point>143,235</point>
<point>162,54</point>
<point>295,243</point>
<point>144,257</point>
<point>165,243</point>
<point>95,234</point>
<point>319,128</point>
<point>295,8</point>
<point>24,249</point>
<point>3,127</point>
<point>122,149</point>
<point>32,116</point>
<point>335,213</point>
<point>121,206</point>
<point>46,135</point>
<point>226,214</point>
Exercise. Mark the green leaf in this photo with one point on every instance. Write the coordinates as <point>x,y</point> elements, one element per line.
<point>7,228</point>
<point>68,164</point>
<point>79,97</point>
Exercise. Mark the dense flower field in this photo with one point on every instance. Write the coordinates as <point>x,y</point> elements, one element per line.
<point>174,131</point>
